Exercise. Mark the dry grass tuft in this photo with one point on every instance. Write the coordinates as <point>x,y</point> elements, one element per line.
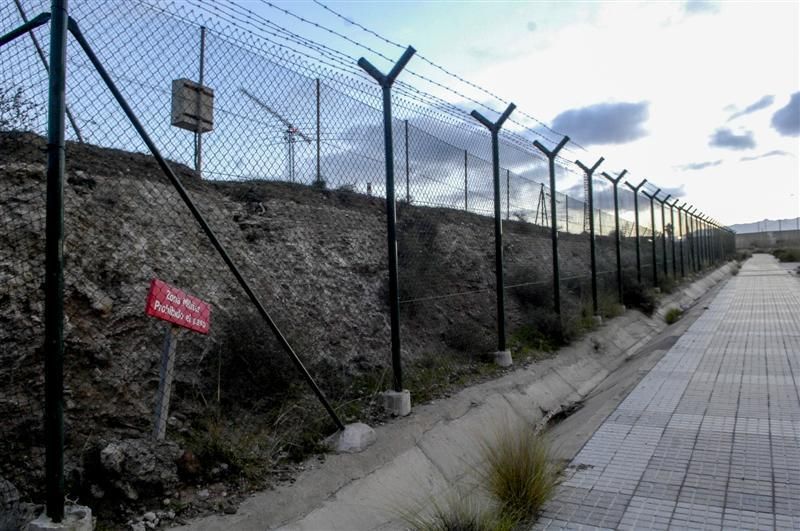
<point>518,471</point>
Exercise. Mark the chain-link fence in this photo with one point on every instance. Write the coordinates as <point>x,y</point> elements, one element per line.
<point>168,352</point>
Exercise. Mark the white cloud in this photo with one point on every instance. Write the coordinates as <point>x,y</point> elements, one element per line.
<point>687,67</point>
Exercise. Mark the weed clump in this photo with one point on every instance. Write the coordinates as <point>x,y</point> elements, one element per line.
<point>609,306</point>
<point>636,295</point>
<point>672,315</point>
<point>458,512</point>
<point>787,255</point>
<point>515,481</point>
<point>518,473</point>
<point>666,284</point>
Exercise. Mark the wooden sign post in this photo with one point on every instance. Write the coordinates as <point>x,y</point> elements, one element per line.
<point>180,310</point>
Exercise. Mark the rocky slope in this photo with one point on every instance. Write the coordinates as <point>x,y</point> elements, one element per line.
<point>315,257</point>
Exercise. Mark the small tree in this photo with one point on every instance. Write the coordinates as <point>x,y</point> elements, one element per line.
<point>16,111</point>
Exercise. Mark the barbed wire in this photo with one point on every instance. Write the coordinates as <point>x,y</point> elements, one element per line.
<point>416,74</point>
<point>239,18</point>
<point>443,70</point>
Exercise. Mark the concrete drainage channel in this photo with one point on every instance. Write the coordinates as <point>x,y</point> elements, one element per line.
<point>422,456</point>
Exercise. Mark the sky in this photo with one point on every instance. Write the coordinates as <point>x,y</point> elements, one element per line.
<point>698,97</point>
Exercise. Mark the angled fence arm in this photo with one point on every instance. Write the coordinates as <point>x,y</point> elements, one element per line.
<point>635,190</point>
<point>592,251</point>
<point>663,202</point>
<point>653,234</point>
<point>43,60</point>
<point>551,158</point>
<point>494,129</point>
<point>385,82</point>
<point>38,20</point>
<point>617,237</point>
<point>672,207</point>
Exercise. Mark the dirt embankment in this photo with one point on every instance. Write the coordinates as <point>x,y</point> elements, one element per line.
<point>315,257</point>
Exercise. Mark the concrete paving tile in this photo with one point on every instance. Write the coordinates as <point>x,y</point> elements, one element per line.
<point>710,438</point>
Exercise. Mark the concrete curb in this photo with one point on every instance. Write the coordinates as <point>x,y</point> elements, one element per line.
<point>416,458</point>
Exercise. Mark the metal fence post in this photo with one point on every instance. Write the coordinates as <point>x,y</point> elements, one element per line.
<point>653,235</point>
<point>695,241</point>
<point>617,237</point>
<point>599,220</point>
<point>675,206</point>
<point>386,81</point>
<point>712,254</point>
<point>636,224</point>
<point>494,129</point>
<point>672,236</point>
<point>701,250</point>
<point>683,229</point>
<point>319,133</point>
<point>466,183</point>
<point>198,135</point>
<point>688,238</point>
<point>508,194</point>
<point>713,232</point>
<point>551,159</point>
<point>717,241</point>
<point>408,173</point>
<point>664,234</point>
<point>592,251</point>
<point>54,265</point>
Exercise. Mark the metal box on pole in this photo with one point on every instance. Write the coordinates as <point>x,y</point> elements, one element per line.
<point>192,106</point>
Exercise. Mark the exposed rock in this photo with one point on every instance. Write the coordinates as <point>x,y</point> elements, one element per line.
<point>315,256</point>
<point>9,506</point>
<point>136,467</point>
<point>188,466</point>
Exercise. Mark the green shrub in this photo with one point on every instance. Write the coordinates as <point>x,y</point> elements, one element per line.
<point>528,340</point>
<point>741,256</point>
<point>608,305</point>
<point>244,448</point>
<point>577,320</point>
<point>636,295</point>
<point>518,473</point>
<point>666,284</point>
<point>787,255</point>
<point>545,331</point>
<point>672,315</point>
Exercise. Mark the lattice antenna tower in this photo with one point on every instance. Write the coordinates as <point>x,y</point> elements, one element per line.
<point>290,133</point>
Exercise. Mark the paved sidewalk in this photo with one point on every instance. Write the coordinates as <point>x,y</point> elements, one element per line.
<point>710,438</point>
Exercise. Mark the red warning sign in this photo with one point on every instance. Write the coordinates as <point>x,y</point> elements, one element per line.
<point>176,306</point>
